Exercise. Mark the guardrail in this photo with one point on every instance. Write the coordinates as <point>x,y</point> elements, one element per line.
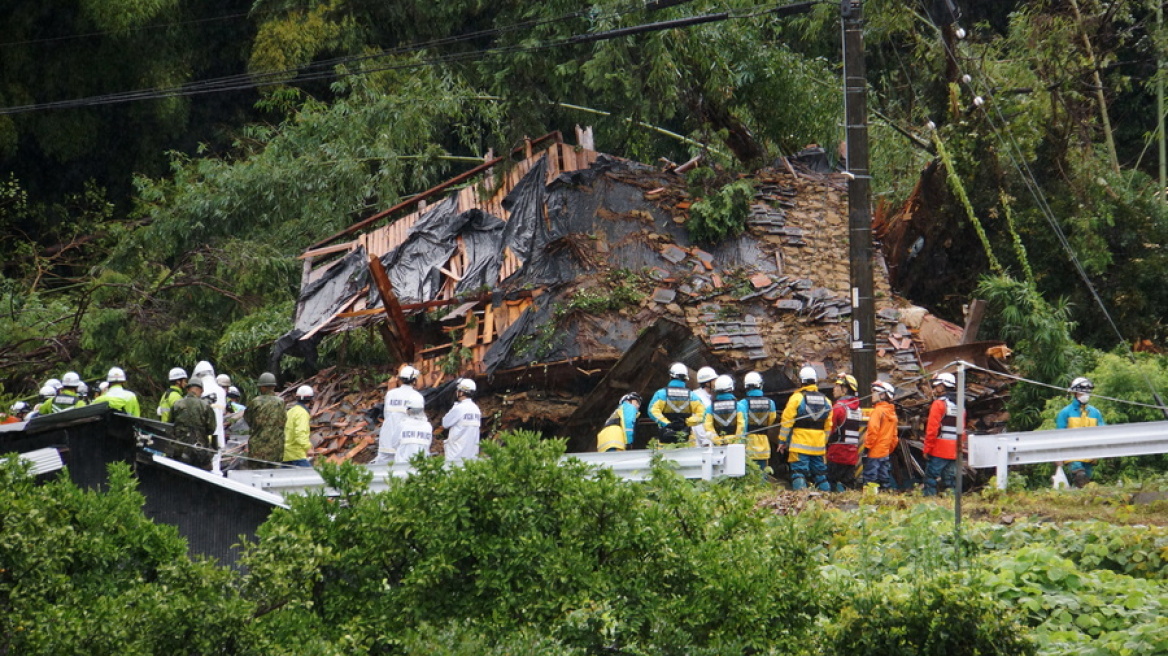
<point>1001,451</point>
<point>695,463</point>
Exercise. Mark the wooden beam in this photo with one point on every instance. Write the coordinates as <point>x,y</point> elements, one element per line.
<point>973,321</point>
<point>393,310</point>
<point>327,250</point>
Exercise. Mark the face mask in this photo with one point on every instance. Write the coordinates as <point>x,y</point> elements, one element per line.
<point>1083,397</point>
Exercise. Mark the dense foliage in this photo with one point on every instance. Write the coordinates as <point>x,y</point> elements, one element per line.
<point>518,553</point>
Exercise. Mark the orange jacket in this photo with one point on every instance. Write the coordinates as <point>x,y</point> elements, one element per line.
<point>941,432</point>
<point>881,438</point>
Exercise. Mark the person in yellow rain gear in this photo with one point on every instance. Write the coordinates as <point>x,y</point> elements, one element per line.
<point>724,422</point>
<point>1079,414</point>
<point>617,434</point>
<point>805,424</point>
<point>66,398</point>
<point>117,396</point>
<point>758,414</point>
<point>675,408</point>
<point>178,383</point>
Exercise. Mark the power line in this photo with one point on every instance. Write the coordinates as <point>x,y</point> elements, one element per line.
<point>327,69</point>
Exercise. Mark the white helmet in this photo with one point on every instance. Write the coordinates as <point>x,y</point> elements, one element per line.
<point>408,374</point>
<point>116,375</point>
<point>224,380</point>
<point>808,375</point>
<point>1082,384</point>
<point>752,380</point>
<point>881,387</point>
<point>466,386</point>
<point>706,374</point>
<point>70,379</point>
<point>945,379</point>
<point>304,392</point>
<point>415,404</point>
<point>48,391</point>
<point>679,371</point>
<point>178,373</point>
<point>233,392</point>
<point>103,386</point>
<point>203,369</point>
<point>53,383</point>
<point>723,383</point>
<point>83,389</point>
<point>19,407</point>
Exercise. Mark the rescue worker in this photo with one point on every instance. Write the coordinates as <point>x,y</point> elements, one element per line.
<point>941,435</point>
<point>675,408</point>
<point>17,413</point>
<point>462,423</point>
<point>705,393</point>
<point>217,396</point>
<point>843,444</point>
<point>223,380</point>
<point>1079,414</point>
<point>415,431</point>
<point>117,396</point>
<point>194,425</point>
<point>178,383</point>
<point>233,404</point>
<point>804,427</point>
<point>882,437</point>
<point>758,414</point>
<point>83,391</point>
<point>395,412</point>
<point>54,383</point>
<point>619,429</point>
<point>297,431</point>
<point>66,398</point>
<point>724,423</point>
<point>47,393</point>
<point>266,418</point>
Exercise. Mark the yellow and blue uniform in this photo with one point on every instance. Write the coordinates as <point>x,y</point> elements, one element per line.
<point>617,434</point>
<point>758,413</point>
<point>805,424</point>
<point>66,399</point>
<point>1079,415</point>
<point>675,409</point>
<point>724,422</point>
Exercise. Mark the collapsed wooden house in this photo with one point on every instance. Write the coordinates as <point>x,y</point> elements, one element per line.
<point>561,278</point>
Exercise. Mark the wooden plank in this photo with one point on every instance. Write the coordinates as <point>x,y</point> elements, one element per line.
<point>327,250</point>
<point>435,190</point>
<point>488,324</point>
<point>470,335</point>
<point>973,321</point>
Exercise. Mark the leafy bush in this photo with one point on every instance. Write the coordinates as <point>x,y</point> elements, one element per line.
<point>83,572</point>
<point>520,542</point>
<point>721,214</point>
<point>941,617</point>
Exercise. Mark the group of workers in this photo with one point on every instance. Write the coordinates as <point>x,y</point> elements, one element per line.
<point>832,445</point>
<point>406,432</point>
<point>821,439</point>
<point>203,406</point>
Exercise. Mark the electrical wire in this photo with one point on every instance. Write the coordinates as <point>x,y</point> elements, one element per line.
<point>327,69</point>
<point>1017,158</point>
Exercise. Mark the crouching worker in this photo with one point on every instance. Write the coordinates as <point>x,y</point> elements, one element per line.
<point>619,429</point>
<point>676,409</point>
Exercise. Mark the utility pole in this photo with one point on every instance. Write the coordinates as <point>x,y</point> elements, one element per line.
<point>859,197</point>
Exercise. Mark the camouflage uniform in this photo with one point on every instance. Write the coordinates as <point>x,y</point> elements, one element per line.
<point>265,417</point>
<point>194,422</point>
